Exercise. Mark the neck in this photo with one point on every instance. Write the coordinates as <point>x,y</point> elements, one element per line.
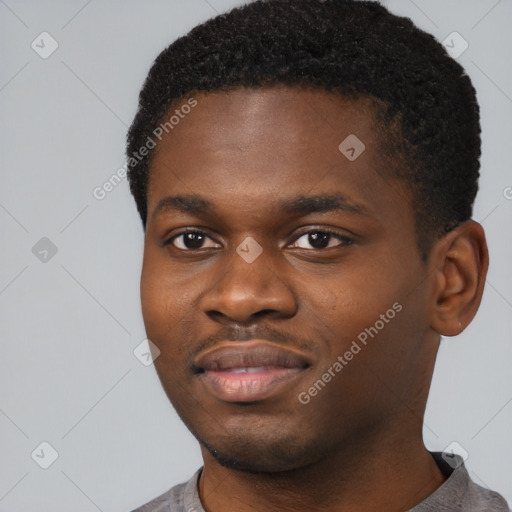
<point>392,474</point>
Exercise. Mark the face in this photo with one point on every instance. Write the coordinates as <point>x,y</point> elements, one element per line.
<point>281,279</point>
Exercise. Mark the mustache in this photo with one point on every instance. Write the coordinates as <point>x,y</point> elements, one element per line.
<point>240,333</point>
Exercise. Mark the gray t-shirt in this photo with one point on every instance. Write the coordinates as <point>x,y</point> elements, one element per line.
<point>457,494</point>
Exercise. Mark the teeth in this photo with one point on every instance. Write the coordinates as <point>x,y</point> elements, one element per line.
<point>252,369</point>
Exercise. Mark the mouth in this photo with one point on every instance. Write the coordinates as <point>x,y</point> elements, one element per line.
<point>249,371</point>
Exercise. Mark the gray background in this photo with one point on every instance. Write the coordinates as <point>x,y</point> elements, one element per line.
<point>70,323</point>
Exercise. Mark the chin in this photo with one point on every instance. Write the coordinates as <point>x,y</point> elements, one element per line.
<point>255,443</point>
<point>262,455</point>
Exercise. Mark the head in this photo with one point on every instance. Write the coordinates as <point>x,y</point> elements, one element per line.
<point>308,150</point>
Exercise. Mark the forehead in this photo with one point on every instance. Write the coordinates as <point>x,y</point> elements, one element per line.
<point>277,116</point>
<point>250,145</point>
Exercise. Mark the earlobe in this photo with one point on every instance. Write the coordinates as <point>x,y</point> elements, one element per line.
<point>459,261</point>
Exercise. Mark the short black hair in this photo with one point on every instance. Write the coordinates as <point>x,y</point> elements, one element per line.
<point>425,103</point>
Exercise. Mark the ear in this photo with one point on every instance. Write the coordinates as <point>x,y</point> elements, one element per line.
<point>459,262</point>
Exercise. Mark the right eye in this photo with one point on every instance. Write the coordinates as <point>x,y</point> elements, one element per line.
<point>189,240</point>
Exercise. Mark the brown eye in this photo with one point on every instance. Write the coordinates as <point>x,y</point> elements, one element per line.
<point>321,239</point>
<point>189,240</point>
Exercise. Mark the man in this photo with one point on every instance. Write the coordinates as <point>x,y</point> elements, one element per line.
<point>307,209</point>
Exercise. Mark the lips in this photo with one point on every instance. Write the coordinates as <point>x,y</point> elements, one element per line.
<point>249,371</point>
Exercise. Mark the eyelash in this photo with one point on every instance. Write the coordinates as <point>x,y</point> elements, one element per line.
<point>344,239</point>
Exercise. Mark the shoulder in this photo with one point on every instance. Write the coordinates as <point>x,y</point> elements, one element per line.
<point>180,498</point>
<point>481,499</point>
<point>459,492</point>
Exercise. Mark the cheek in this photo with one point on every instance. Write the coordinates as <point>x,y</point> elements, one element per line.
<point>366,318</point>
<point>350,301</point>
<point>158,297</point>
<point>168,302</point>
<point>153,303</point>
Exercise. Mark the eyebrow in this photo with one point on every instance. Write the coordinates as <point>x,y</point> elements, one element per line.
<point>300,205</point>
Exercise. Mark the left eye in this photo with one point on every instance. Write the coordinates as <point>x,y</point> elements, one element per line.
<point>322,239</point>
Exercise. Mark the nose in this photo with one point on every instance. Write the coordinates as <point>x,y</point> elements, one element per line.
<point>245,291</point>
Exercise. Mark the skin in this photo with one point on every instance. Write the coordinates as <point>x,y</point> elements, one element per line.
<point>357,445</point>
